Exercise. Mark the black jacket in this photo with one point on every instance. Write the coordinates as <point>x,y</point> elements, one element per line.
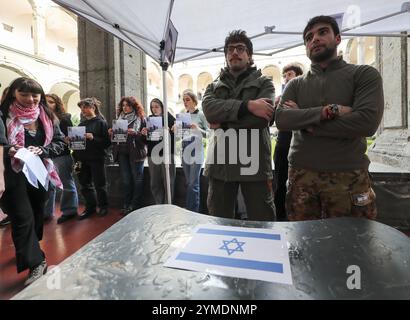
<point>64,123</point>
<point>95,149</point>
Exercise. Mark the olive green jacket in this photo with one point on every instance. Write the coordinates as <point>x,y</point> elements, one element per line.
<point>225,102</point>
<point>337,145</point>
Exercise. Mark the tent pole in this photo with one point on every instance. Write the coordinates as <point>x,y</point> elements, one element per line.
<point>167,149</point>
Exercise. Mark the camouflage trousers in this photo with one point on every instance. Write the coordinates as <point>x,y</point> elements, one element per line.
<point>318,195</point>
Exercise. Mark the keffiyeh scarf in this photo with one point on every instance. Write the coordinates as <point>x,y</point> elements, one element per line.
<point>20,116</point>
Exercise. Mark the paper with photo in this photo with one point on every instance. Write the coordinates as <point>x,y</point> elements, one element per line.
<point>250,253</point>
<point>119,130</point>
<point>76,136</point>
<point>183,124</point>
<point>155,128</point>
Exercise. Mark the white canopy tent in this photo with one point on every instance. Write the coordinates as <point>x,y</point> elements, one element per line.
<point>202,25</point>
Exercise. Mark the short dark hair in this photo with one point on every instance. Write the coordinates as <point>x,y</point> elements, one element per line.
<point>92,101</point>
<point>321,19</point>
<point>293,67</point>
<point>237,36</point>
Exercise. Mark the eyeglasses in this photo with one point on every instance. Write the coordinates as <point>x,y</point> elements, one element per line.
<point>239,48</point>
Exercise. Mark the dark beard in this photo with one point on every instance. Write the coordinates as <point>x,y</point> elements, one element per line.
<point>323,56</point>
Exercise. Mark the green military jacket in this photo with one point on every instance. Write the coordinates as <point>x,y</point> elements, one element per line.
<point>241,149</point>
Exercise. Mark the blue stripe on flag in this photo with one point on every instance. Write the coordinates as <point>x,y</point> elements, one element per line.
<point>231,262</point>
<point>240,233</point>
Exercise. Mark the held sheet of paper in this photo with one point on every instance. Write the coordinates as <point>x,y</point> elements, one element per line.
<point>250,253</point>
<point>33,168</point>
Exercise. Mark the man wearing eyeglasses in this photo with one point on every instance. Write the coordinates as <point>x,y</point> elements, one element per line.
<point>238,106</point>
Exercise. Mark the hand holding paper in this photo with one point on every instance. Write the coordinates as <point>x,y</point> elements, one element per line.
<point>33,168</point>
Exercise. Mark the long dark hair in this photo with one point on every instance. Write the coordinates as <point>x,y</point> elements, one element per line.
<point>59,110</point>
<point>160,104</point>
<point>24,84</point>
<point>134,104</point>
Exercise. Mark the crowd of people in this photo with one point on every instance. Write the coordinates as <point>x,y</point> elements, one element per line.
<point>323,117</point>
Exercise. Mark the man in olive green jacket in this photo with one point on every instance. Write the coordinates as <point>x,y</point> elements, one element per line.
<point>331,110</point>
<point>238,106</point>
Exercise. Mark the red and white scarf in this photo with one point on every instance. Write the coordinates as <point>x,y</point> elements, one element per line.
<point>20,116</point>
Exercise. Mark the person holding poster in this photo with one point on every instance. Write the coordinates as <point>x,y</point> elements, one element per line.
<point>156,161</point>
<point>29,124</point>
<point>92,176</point>
<point>131,153</point>
<point>193,150</point>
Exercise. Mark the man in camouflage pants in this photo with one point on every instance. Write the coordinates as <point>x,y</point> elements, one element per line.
<point>331,110</point>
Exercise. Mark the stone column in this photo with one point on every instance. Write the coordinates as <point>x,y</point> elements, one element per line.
<point>109,68</point>
<point>39,30</point>
<point>392,144</point>
<point>361,50</point>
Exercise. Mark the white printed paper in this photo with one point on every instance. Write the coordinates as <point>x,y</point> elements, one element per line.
<point>250,253</point>
<point>33,168</point>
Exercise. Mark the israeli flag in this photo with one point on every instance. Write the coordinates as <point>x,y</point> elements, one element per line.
<point>250,253</point>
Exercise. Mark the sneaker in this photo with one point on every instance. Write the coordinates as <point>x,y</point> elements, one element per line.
<point>65,218</point>
<point>5,221</point>
<point>36,273</point>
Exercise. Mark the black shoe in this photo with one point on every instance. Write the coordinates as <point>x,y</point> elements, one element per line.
<point>103,212</point>
<point>36,273</point>
<point>5,221</point>
<point>65,218</point>
<point>86,214</point>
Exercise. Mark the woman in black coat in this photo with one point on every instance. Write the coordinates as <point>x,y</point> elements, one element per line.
<point>92,175</point>
<point>29,124</point>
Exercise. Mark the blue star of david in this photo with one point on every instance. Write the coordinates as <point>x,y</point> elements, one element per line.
<point>238,244</point>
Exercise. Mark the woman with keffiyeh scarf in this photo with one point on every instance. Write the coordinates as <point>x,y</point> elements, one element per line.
<point>29,124</point>
<point>131,154</point>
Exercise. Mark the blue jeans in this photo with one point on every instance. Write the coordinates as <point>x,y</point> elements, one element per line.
<point>132,177</point>
<point>69,198</point>
<point>192,173</point>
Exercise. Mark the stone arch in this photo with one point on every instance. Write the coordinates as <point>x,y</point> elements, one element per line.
<point>170,85</point>
<point>69,92</point>
<point>10,71</point>
<point>369,51</point>
<point>154,79</point>
<point>204,79</point>
<point>185,81</point>
<point>274,73</point>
